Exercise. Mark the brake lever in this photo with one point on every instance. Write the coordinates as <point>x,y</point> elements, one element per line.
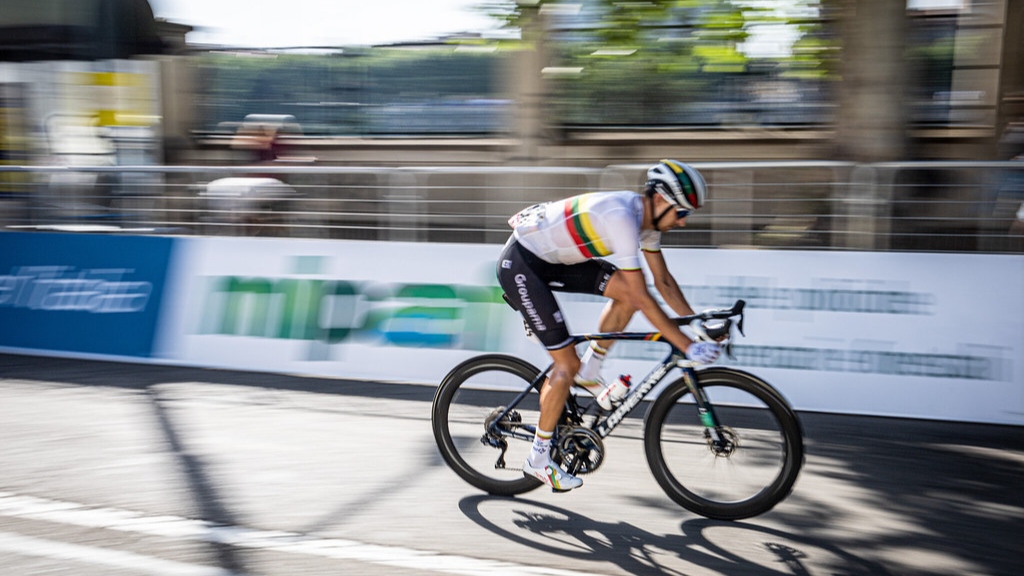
<point>738,309</point>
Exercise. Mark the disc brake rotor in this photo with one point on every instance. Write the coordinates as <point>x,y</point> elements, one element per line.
<point>728,444</point>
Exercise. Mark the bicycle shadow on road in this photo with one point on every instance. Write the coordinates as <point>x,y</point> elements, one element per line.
<point>707,546</point>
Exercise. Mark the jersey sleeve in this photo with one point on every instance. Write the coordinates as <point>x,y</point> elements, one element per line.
<point>623,234</point>
<point>650,241</point>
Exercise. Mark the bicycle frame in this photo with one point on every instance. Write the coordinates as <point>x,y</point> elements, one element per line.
<point>604,425</point>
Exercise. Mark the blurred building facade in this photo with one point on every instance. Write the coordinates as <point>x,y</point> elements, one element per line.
<point>865,81</point>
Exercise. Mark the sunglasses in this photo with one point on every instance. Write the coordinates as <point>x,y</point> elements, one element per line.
<point>682,213</point>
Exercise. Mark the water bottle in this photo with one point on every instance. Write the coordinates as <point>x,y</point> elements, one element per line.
<point>614,393</point>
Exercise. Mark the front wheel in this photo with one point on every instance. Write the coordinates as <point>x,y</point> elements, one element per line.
<point>479,436</point>
<point>754,462</point>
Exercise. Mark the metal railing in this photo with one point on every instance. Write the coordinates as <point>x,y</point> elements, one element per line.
<point>911,206</point>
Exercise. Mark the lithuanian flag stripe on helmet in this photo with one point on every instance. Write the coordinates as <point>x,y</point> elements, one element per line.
<point>684,180</point>
<point>577,221</point>
<point>675,167</point>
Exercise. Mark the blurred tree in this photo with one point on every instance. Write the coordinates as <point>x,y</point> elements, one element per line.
<point>664,62</point>
<point>873,99</point>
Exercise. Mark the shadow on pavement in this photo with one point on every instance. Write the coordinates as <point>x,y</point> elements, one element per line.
<point>720,547</point>
<point>142,376</point>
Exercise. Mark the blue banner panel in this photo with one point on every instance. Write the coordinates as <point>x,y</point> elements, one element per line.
<point>83,293</point>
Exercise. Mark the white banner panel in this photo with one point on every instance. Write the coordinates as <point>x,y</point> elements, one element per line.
<point>919,335</point>
<point>927,335</point>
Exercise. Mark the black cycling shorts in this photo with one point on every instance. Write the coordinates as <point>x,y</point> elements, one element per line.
<point>530,282</point>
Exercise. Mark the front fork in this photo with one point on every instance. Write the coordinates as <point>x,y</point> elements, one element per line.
<point>705,410</point>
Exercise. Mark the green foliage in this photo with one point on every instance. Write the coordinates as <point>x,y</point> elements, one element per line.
<point>664,61</point>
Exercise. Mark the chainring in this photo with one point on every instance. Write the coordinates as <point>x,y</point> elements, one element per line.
<point>579,450</point>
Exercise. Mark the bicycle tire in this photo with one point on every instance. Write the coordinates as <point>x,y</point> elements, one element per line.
<point>463,401</point>
<point>768,446</point>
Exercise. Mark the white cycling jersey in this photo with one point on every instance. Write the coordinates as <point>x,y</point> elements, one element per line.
<point>588,226</point>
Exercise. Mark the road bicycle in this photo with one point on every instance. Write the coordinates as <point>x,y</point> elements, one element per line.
<point>721,442</point>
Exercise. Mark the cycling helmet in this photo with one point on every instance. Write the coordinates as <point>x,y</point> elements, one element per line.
<point>678,183</point>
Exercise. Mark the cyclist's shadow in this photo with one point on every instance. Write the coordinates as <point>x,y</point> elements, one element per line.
<point>562,532</point>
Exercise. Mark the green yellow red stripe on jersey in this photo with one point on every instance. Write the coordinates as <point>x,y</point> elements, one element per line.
<point>577,221</point>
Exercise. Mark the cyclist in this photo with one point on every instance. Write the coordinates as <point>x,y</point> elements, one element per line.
<point>562,246</point>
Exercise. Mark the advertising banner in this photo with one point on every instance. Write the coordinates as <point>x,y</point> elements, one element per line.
<point>903,334</point>
<point>381,310</point>
<point>919,335</point>
<point>81,293</point>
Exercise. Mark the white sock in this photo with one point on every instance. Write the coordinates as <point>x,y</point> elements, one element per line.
<point>590,369</point>
<point>540,454</point>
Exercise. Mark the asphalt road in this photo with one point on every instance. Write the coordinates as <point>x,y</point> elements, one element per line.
<point>122,469</point>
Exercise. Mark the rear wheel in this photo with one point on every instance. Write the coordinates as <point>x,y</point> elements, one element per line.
<point>751,467</point>
<point>469,400</point>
